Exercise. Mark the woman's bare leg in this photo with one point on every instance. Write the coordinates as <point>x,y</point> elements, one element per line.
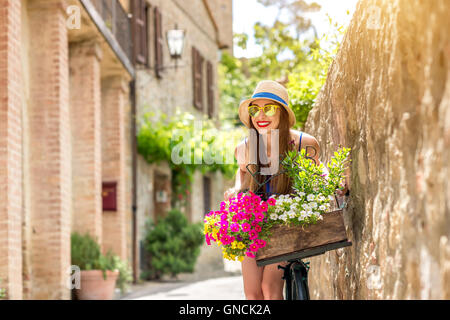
<point>252,277</point>
<point>272,282</point>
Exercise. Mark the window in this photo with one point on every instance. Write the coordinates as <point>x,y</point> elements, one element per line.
<point>210,87</point>
<point>159,42</point>
<point>206,194</point>
<point>140,35</point>
<point>197,72</point>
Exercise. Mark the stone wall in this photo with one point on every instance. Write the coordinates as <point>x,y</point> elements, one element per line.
<point>387,96</point>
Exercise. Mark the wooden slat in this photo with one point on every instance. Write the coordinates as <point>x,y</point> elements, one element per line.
<point>286,240</point>
<point>139,28</point>
<point>197,71</point>
<point>158,43</point>
<point>210,85</point>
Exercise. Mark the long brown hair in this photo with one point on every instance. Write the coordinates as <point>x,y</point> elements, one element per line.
<point>280,184</point>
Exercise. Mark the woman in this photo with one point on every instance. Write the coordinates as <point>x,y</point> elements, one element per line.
<point>267,115</point>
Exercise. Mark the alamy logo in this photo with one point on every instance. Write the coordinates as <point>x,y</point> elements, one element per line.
<point>374,20</point>
<point>74,17</point>
<point>374,277</point>
<point>73,280</point>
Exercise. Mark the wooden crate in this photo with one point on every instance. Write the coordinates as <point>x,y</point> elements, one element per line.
<point>291,242</point>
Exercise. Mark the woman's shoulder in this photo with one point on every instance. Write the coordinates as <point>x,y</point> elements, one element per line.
<point>307,139</point>
<point>239,152</point>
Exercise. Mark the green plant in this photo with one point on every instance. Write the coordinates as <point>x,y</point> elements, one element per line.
<point>113,262</point>
<point>173,245</point>
<point>161,138</point>
<point>313,186</point>
<point>86,254</point>
<point>2,291</point>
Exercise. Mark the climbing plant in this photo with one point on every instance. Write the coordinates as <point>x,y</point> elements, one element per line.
<point>187,144</point>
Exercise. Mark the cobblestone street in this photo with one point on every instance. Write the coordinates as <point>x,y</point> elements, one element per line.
<point>226,288</point>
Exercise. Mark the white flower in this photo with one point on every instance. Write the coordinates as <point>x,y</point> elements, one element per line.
<point>291,214</point>
<point>283,217</point>
<point>305,206</point>
<point>301,194</point>
<point>322,207</point>
<point>310,197</point>
<point>331,197</point>
<point>313,205</point>
<point>274,216</point>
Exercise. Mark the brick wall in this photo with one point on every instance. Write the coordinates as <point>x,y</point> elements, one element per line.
<point>85,103</point>
<point>10,149</point>
<point>114,104</point>
<point>50,151</point>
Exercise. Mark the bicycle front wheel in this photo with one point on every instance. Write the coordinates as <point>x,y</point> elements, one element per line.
<point>299,282</point>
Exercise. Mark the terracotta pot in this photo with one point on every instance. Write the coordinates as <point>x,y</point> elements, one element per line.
<point>94,287</point>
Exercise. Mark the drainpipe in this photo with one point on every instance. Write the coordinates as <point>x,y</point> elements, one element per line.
<point>134,182</point>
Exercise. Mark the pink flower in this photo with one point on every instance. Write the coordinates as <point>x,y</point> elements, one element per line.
<point>223,217</point>
<point>225,239</point>
<point>254,247</point>
<point>272,201</point>
<point>252,234</point>
<point>264,206</point>
<point>235,227</point>
<point>259,216</point>
<point>245,227</point>
<point>223,205</point>
<point>250,254</point>
<point>261,243</point>
<point>208,239</point>
<point>257,228</point>
<point>224,230</point>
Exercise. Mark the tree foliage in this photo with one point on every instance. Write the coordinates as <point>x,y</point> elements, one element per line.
<point>300,64</point>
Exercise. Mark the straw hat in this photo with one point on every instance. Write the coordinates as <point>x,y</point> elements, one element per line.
<point>267,89</point>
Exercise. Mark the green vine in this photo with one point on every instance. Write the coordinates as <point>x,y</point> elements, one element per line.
<point>187,144</point>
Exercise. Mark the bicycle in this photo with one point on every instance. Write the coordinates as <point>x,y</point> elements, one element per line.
<point>296,280</point>
<point>296,271</point>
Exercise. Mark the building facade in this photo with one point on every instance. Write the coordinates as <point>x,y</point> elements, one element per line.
<point>192,86</point>
<point>65,131</point>
<point>75,75</point>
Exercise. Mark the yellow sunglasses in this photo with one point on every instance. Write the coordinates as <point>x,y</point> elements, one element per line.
<point>269,110</point>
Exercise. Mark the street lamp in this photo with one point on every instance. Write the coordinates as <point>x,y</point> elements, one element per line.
<point>175,41</point>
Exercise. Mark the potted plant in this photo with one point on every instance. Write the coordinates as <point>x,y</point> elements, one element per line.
<point>2,292</point>
<point>99,272</point>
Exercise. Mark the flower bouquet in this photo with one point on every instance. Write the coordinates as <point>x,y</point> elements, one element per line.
<point>245,224</point>
<point>238,224</point>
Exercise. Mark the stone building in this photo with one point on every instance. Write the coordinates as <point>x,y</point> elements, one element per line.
<point>65,130</point>
<point>387,96</point>
<point>192,87</point>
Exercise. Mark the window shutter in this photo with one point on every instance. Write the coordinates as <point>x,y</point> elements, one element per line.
<point>210,88</point>
<point>158,43</point>
<point>140,35</point>
<point>197,71</point>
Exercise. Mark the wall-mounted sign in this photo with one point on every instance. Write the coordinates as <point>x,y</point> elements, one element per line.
<point>109,196</point>
<point>161,196</point>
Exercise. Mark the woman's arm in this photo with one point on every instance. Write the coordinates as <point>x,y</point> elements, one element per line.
<point>241,179</point>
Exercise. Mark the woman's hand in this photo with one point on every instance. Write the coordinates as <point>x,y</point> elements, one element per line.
<point>229,193</point>
<point>343,191</point>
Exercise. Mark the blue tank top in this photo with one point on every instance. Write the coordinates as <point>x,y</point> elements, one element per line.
<point>267,185</point>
